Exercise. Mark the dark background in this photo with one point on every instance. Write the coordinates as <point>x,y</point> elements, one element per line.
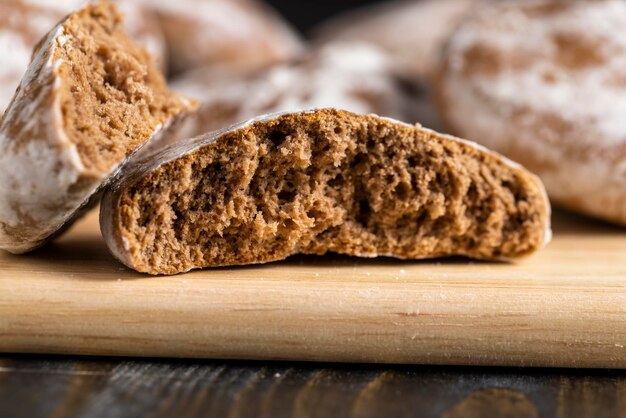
<point>304,14</point>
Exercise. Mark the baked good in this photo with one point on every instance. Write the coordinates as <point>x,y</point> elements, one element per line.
<point>413,32</point>
<point>544,82</point>
<point>24,22</point>
<point>320,181</point>
<point>90,97</point>
<point>352,76</point>
<point>234,34</point>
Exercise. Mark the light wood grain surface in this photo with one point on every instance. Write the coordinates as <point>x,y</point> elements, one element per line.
<point>564,307</point>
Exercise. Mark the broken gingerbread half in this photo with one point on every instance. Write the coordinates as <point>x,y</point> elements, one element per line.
<point>315,182</point>
<point>89,99</point>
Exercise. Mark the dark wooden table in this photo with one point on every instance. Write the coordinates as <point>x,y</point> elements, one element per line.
<point>89,387</point>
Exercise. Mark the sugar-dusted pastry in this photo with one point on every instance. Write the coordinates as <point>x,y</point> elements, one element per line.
<point>544,82</point>
<point>352,76</point>
<point>413,32</point>
<point>234,34</point>
<point>24,22</point>
<point>315,182</point>
<point>90,98</point>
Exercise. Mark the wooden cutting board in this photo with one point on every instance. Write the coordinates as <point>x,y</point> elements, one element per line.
<point>565,307</point>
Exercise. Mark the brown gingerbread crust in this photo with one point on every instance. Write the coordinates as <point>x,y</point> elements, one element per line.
<point>323,181</point>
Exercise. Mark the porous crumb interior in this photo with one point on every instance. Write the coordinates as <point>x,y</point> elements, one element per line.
<point>329,181</point>
<point>112,97</point>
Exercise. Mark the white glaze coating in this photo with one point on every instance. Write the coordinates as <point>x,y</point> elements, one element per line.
<point>352,76</point>
<point>16,56</point>
<point>560,116</point>
<point>38,164</point>
<point>171,144</point>
<point>412,31</point>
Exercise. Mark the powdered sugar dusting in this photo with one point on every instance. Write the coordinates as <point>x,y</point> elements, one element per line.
<point>16,58</point>
<point>584,95</point>
<point>351,76</point>
<point>38,163</point>
<point>548,87</point>
<point>413,32</point>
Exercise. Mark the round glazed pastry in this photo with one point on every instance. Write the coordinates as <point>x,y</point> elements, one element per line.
<point>89,99</point>
<point>351,76</point>
<point>233,34</point>
<point>544,82</point>
<point>413,32</point>
<point>24,22</point>
<point>320,181</point>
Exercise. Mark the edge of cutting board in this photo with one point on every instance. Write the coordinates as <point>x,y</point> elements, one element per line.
<point>565,307</point>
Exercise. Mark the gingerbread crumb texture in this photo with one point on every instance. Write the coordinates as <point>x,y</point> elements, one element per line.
<point>24,22</point>
<point>112,98</point>
<point>317,182</point>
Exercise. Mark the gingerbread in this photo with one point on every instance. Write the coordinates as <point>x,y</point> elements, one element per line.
<point>89,99</point>
<point>544,82</point>
<point>315,182</point>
